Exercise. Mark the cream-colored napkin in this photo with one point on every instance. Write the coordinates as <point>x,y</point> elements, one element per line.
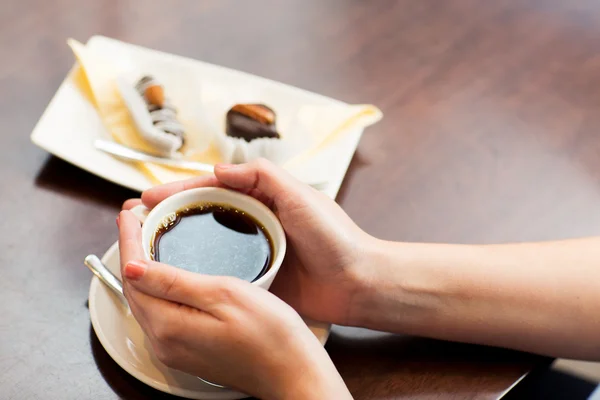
<point>308,131</point>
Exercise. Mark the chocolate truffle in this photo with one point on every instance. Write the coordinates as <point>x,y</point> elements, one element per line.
<point>251,121</point>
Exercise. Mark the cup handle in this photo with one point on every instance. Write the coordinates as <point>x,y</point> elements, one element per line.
<point>141,212</point>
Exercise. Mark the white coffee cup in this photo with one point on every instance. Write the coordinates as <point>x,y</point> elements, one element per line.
<point>154,218</point>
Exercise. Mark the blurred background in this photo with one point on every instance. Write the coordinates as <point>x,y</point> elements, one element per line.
<point>489,134</point>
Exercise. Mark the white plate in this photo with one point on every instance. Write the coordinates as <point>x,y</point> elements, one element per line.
<point>125,342</point>
<point>70,123</point>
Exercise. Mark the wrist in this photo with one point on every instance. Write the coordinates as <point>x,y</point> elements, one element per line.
<point>328,386</point>
<point>312,375</point>
<point>397,287</point>
<point>412,287</point>
<point>365,278</point>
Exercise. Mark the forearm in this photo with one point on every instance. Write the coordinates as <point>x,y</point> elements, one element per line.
<point>537,297</point>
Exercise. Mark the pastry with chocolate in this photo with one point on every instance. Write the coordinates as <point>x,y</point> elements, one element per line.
<point>251,121</point>
<point>162,112</point>
<point>153,115</point>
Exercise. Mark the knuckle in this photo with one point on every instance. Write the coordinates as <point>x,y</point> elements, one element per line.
<point>128,242</point>
<point>164,355</point>
<point>226,290</point>
<point>123,213</point>
<point>165,333</point>
<point>128,204</point>
<point>168,283</point>
<point>262,164</point>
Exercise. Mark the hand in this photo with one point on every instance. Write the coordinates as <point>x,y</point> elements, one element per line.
<point>224,329</point>
<point>322,271</point>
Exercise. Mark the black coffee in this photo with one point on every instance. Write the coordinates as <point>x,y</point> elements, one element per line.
<point>214,239</point>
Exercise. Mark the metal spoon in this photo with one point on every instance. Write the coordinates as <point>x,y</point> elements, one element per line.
<point>127,153</point>
<point>116,286</point>
<point>106,277</point>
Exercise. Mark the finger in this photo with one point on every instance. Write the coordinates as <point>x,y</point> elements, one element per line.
<point>155,195</point>
<point>260,196</point>
<point>162,319</point>
<point>130,248</point>
<point>153,314</point>
<point>130,239</point>
<point>162,281</point>
<point>138,312</point>
<point>260,174</point>
<point>129,204</point>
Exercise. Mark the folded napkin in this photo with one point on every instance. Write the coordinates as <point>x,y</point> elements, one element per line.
<point>310,129</point>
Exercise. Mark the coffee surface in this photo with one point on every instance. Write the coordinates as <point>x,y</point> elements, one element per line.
<point>214,239</point>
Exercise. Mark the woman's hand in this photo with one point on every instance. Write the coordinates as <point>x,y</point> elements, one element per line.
<point>224,329</point>
<point>513,295</point>
<point>322,271</point>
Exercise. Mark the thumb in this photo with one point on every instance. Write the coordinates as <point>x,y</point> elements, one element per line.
<point>259,174</point>
<point>173,284</point>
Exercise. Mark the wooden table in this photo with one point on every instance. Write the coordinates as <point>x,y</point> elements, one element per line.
<point>491,134</point>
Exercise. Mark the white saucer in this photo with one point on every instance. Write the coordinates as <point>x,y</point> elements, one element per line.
<point>125,342</point>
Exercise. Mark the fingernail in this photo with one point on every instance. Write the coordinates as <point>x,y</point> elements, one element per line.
<point>134,270</point>
<point>226,166</point>
<point>117,220</point>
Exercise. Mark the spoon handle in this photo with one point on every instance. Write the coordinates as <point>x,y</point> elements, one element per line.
<point>130,154</point>
<point>107,277</point>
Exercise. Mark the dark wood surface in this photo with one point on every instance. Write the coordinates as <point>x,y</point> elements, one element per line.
<point>491,134</point>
